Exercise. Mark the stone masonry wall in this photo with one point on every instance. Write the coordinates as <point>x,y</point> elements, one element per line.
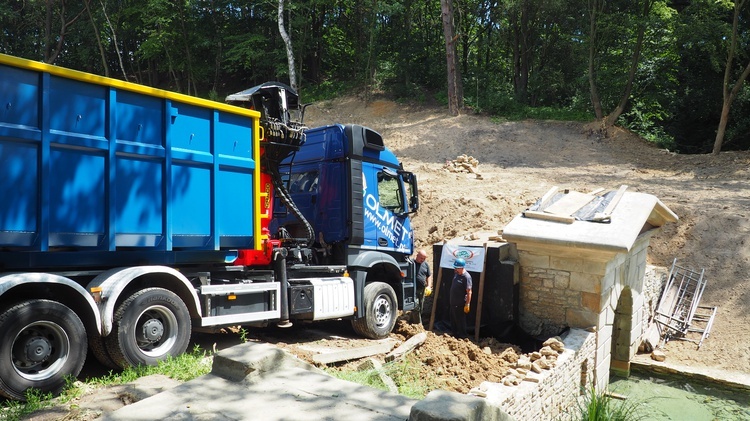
<point>558,392</point>
<point>561,287</point>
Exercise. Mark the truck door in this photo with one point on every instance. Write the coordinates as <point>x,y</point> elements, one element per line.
<point>386,207</point>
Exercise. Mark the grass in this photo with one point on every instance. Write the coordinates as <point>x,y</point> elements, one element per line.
<point>184,367</point>
<point>405,373</point>
<point>602,407</point>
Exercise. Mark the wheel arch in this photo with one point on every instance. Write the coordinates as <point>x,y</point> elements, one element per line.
<point>17,287</point>
<point>117,284</point>
<point>371,266</point>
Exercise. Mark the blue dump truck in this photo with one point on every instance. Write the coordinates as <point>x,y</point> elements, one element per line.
<point>132,216</point>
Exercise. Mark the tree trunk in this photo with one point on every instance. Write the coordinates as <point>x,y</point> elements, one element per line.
<point>114,41</point>
<point>729,96</point>
<point>455,89</point>
<point>596,101</point>
<point>289,51</point>
<point>726,106</point>
<point>610,120</point>
<point>98,38</point>
<point>50,54</point>
<point>521,51</point>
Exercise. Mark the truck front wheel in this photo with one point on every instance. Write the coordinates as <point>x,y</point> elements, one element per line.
<point>43,342</point>
<point>380,311</point>
<point>149,326</point>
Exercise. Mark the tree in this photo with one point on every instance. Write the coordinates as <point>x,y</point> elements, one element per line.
<point>288,43</point>
<point>728,94</point>
<point>596,8</point>
<point>455,86</point>
<point>54,36</point>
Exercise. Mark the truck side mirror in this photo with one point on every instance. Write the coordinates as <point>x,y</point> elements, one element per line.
<point>411,181</point>
<point>414,203</point>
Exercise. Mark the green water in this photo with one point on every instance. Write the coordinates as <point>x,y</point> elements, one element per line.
<point>675,399</point>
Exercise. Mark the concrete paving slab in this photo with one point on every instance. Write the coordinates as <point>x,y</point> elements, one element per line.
<point>261,382</point>
<point>290,394</point>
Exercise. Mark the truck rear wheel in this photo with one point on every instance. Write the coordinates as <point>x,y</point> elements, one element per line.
<point>43,342</point>
<point>380,311</point>
<point>149,326</point>
<point>98,347</point>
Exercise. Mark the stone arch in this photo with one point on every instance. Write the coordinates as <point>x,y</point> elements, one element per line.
<point>622,332</point>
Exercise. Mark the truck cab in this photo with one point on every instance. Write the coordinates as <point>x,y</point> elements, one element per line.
<point>356,196</point>
<point>352,190</point>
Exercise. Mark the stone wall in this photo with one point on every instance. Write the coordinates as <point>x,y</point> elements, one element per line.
<point>554,394</point>
<point>586,288</point>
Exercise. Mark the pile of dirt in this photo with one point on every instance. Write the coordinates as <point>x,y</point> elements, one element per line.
<point>459,364</point>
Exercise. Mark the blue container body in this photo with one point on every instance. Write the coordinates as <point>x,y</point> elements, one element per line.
<point>90,163</point>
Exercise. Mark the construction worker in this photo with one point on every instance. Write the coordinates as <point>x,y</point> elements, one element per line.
<point>460,298</point>
<point>424,284</point>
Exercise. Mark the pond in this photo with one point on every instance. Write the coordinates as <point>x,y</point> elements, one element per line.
<point>672,398</point>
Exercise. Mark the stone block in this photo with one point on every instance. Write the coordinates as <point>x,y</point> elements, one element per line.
<point>620,368</point>
<point>566,263</point>
<point>253,360</point>
<point>562,281</point>
<point>581,318</point>
<point>531,260</point>
<point>441,405</point>
<point>585,282</point>
<point>591,302</point>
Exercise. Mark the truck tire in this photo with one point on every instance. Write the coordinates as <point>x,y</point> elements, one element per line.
<point>380,311</point>
<point>98,347</point>
<point>149,326</point>
<point>43,342</point>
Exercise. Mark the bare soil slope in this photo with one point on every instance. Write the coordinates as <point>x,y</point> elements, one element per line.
<point>520,161</point>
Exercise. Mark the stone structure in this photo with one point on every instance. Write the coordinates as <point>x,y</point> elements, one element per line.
<point>590,275</point>
<point>552,394</point>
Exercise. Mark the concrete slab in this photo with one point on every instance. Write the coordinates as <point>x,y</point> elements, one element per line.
<point>730,379</point>
<point>290,394</point>
<point>634,212</point>
<point>256,381</point>
<point>443,405</point>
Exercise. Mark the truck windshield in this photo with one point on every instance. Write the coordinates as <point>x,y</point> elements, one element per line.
<point>389,191</point>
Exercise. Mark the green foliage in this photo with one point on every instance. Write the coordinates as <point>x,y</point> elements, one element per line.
<point>244,335</point>
<point>645,120</point>
<point>184,367</point>
<point>602,407</point>
<point>405,373</point>
<point>505,107</point>
<point>518,59</point>
<point>327,90</point>
<point>35,400</point>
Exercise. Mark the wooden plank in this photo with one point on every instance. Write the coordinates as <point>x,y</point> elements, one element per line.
<point>615,200</point>
<point>547,196</point>
<point>352,354</point>
<point>480,297</point>
<point>569,203</point>
<point>549,217</point>
<point>436,292</point>
<point>373,364</point>
<point>407,347</point>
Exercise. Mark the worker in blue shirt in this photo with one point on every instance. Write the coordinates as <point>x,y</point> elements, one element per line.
<point>460,298</point>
